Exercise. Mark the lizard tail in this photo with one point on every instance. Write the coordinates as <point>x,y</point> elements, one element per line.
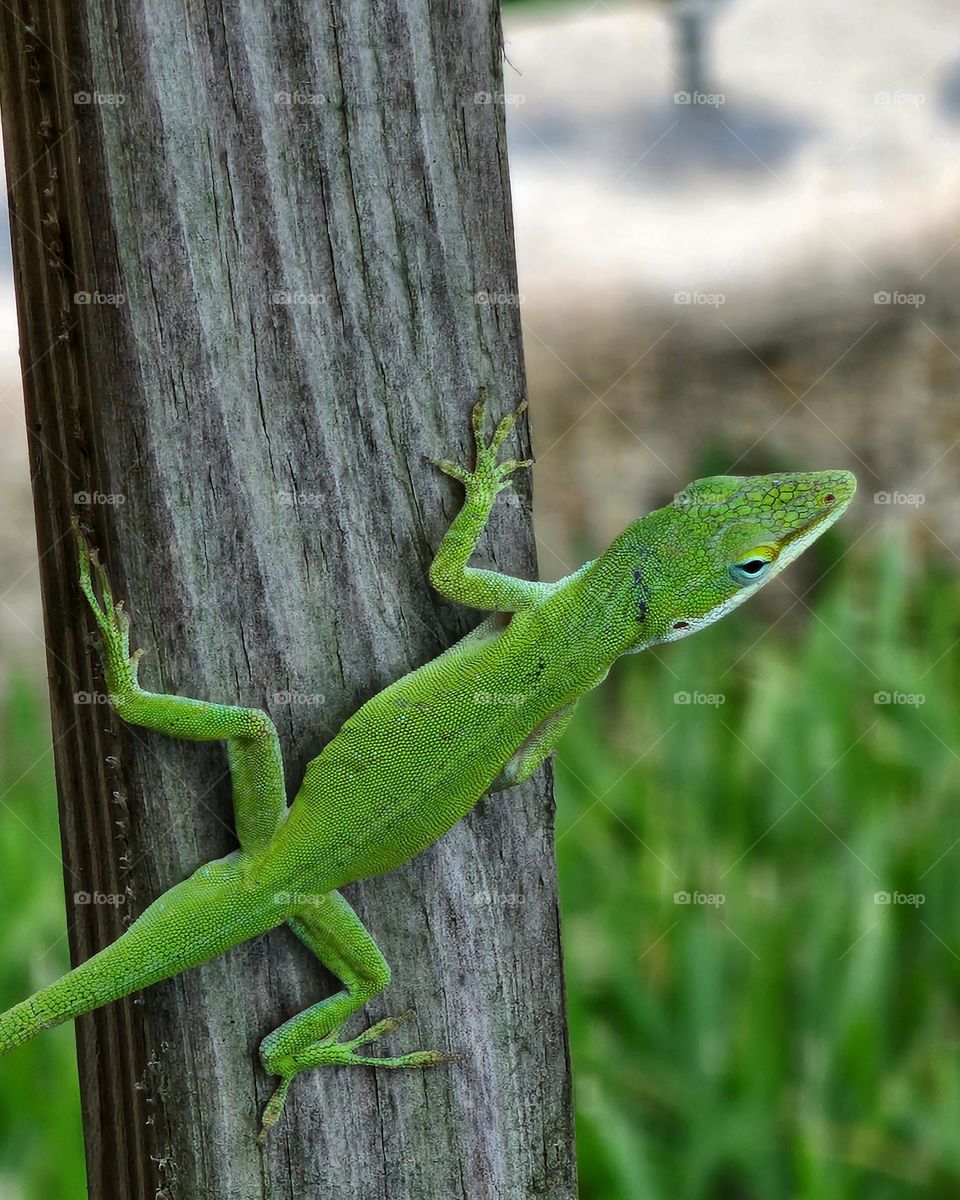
<point>214,910</point>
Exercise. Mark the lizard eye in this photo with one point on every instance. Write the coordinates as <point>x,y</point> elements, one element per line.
<point>749,570</point>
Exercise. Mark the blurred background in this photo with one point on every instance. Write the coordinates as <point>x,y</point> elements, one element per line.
<point>739,246</point>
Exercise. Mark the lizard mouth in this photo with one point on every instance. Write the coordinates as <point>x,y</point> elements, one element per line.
<point>833,505</point>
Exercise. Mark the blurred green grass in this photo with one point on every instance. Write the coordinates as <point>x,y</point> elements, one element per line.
<point>41,1150</point>
<point>797,1040</point>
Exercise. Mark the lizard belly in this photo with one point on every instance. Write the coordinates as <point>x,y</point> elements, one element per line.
<point>418,756</point>
<point>363,811</point>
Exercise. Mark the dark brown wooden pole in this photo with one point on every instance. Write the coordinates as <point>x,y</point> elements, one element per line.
<point>255,252</point>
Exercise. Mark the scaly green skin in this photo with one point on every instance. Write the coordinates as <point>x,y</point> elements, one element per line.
<point>417,757</point>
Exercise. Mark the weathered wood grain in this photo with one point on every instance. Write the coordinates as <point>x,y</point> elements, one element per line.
<point>300,213</point>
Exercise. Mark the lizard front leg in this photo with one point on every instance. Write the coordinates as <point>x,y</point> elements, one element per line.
<point>337,936</point>
<point>449,572</point>
<point>535,750</point>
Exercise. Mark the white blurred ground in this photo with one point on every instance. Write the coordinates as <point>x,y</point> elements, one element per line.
<point>832,155</point>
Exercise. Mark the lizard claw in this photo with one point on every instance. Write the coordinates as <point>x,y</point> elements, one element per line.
<point>488,475</point>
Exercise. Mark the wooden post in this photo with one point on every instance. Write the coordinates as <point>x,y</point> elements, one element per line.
<point>264,261</point>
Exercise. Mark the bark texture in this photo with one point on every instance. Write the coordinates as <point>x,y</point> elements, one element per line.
<point>264,261</point>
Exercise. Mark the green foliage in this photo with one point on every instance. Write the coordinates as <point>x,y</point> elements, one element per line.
<point>800,1038</point>
<point>41,1151</point>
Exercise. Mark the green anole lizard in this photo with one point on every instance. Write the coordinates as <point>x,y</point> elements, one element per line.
<point>418,756</point>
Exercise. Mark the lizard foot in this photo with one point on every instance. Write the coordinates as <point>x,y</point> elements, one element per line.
<point>120,666</point>
<point>488,475</point>
<point>330,1052</point>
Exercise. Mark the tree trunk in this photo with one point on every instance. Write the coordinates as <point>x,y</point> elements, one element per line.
<point>255,252</point>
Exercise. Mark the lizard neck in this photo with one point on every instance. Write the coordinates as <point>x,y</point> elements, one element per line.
<point>605,605</point>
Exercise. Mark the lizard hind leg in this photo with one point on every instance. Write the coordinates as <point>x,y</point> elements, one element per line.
<point>337,936</point>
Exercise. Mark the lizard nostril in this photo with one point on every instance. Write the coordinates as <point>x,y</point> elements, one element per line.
<point>681,624</point>
<point>829,498</point>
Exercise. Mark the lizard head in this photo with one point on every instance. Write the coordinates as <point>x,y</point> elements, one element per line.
<point>720,540</point>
